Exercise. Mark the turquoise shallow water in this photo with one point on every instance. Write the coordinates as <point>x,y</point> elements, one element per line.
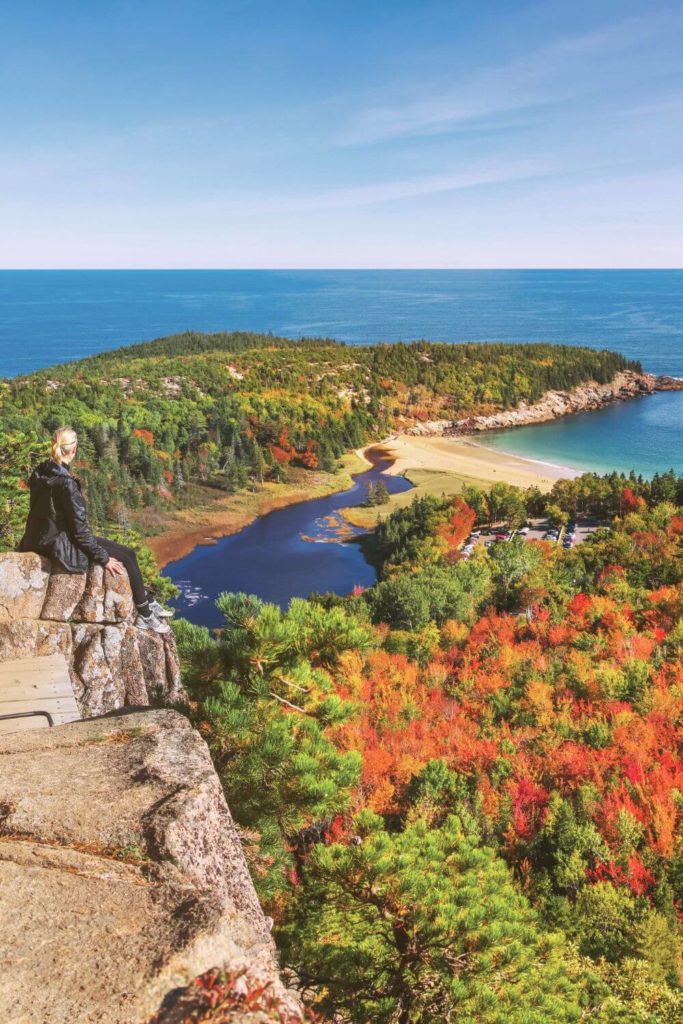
<point>645,435</point>
<point>50,316</point>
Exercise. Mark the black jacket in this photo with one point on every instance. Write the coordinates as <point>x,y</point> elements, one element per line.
<point>57,524</point>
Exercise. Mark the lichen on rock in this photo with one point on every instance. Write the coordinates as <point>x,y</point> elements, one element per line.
<point>23,582</point>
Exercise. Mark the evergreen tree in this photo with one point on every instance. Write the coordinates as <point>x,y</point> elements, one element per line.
<point>422,926</point>
<point>265,702</point>
<point>381,493</point>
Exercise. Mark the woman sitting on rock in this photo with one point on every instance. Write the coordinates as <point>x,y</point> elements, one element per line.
<point>57,527</point>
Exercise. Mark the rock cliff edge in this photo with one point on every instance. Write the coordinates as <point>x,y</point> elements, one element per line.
<point>121,874</point>
<point>553,404</point>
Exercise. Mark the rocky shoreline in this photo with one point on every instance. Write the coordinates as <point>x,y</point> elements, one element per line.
<point>586,397</point>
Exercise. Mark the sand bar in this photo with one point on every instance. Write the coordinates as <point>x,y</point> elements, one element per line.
<point>466,457</point>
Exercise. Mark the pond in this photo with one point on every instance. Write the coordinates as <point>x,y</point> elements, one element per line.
<point>288,553</point>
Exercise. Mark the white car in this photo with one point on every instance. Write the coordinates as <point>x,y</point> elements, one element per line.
<point>523,530</point>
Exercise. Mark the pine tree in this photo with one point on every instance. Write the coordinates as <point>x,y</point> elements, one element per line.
<point>381,493</point>
<point>423,926</point>
<point>265,714</point>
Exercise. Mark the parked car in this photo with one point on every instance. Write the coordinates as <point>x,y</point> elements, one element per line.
<point>523,530</point>
<point>501,536</point>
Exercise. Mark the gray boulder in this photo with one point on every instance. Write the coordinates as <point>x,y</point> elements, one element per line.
<point>32,638</point>
<point>23,582</point>
<point>64,592</point>
<point>90,619</point>
<point>107,598</point>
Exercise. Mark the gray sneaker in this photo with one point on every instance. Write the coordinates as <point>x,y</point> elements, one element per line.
<point>152,624</point>
<point>159,610</point>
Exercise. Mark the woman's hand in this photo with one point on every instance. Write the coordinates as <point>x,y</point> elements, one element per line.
<point>115,567</point>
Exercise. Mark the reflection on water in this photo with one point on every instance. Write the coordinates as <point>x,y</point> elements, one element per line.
<point>287,553</point>
<point>192,595</point>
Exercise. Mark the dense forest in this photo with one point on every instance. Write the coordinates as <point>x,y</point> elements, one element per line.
<point>230,411</point>
<point>461,790</point>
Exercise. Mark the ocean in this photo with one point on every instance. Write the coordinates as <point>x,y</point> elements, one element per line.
<point>52,316</point>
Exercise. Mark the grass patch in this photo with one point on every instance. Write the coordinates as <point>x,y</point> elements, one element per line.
<point>216,514</point>
<point>424,481</point>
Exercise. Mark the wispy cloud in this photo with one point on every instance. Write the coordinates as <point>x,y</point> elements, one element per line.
<point>387,191</point>
<point>547,75</point>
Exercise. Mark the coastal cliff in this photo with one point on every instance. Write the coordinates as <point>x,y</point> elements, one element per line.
<point>624,386</point>
<point>89,619</point>
<point>122,878</point>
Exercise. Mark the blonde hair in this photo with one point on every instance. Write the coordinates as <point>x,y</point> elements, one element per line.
<point>63,439</point>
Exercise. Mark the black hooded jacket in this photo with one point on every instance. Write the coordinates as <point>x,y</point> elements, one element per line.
<point>57,524</point>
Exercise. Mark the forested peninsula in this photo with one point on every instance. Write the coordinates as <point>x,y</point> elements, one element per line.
<point>171,427</point>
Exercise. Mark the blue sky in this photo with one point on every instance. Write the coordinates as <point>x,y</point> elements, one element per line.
<point>355,134</point>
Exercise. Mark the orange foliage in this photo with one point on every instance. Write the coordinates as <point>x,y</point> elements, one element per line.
<point>308,457</point>
<point>145,435</point>
<point>459,525</point>
<point>524,710</point>
<point>280,455</point>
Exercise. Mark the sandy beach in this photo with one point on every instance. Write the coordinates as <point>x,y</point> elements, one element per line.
<point>462,457</point>
<point>466,457</point>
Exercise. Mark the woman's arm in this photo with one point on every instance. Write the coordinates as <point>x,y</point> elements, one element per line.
<point>77,523</point>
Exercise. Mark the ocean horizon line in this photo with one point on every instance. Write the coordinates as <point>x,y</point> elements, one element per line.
<point>349,269</point>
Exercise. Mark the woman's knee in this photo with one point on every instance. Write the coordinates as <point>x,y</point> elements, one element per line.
<point>127,556</point>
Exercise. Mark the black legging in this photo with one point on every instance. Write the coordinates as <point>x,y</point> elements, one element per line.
<point>130,560</point>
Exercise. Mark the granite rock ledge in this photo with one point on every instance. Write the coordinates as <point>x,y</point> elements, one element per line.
<point>122,876</point>
<point>88,618</point>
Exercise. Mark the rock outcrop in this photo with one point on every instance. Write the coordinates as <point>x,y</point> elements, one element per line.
<point>89,619</point>
<point>666,383</point>
<point>121,874</point>
<point>553,404</point>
